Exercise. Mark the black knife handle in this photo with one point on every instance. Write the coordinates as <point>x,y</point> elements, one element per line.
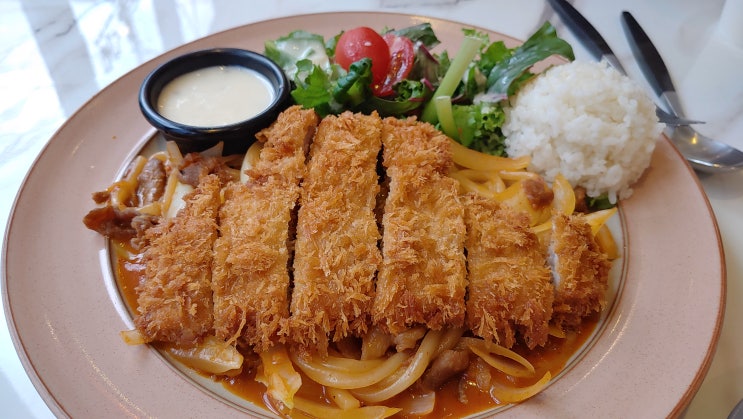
<point>583,30</point>
<point>648,57</point>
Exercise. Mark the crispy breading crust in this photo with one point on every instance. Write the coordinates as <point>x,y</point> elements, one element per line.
<point>285,145</point>
<point>175,302</point>
<point>337,251</point>
<point>238,285</point>
<point>580,269</point>
<point>510,288</point>
<point>251,277</point>
<point>422,279</point>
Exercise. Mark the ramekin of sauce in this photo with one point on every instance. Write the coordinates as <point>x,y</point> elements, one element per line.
<point>222,94</point>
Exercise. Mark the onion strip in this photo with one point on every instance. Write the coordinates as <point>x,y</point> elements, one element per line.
<point>350,365</point>
<point>319,410</point>
<point>375,343</point>
<point>479,175</point>
<point>211,356</point>
<point>277,373</point>
<point>484,350</point>
<point>350,378</point>
<point>473,159</point>
<point>176,158</point>
<point>124,189</point>
<point>517,175</point>
<point>564,195</point>
<point>250,160</point>
<point>606,242</point>
<point>342,398</point>
<point>449,340</point>
<point>213,151</point>
<point>406,376</point>
<point>133,337</point>
<point>514,395</point>
<point>556,331</point>
<point>468,185</point>
<point>599,218</point>
<point>167,197</point>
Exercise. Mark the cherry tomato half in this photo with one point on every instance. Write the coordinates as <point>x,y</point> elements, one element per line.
<point>363,42</point>
<point>402,57</point>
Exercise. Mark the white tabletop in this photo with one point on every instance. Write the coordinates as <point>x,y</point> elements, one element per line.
<point>55,55</point>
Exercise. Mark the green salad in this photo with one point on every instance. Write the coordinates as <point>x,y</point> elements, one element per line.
<point>397,73</point>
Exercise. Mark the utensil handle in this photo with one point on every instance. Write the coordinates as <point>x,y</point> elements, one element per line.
<point>589,37</point>
<point>651,63</point>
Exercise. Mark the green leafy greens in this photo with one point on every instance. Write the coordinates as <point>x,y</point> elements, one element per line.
<point>465,96</point>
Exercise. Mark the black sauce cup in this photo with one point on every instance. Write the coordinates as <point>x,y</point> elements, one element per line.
<point>237,137</point>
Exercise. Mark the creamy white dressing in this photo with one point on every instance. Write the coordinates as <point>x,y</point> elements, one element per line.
<point>215,96</point>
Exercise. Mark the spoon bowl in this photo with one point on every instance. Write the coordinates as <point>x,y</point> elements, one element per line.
<point>705,154</point>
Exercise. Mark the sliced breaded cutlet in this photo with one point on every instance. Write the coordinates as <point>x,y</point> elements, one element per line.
<point>510,288</point>
<point>251,257</point>
<point>422,280</point>
<point>175,299</point>
<point>337,252</point>
<point>580,271</point>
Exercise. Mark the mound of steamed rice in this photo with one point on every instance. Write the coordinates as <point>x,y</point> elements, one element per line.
<point>587,121</point>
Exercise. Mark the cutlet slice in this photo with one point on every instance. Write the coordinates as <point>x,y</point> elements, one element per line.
<point>510,288</point>
<point>175,298</point>
<point>422,280</point>
<point>251,256</point>
<point>337,252</point>
<point>285,145</point>
<point>580,271</point>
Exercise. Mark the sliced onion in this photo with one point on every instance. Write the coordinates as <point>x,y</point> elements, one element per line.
<point>351,378</point>
<point>342,398</point>
<point>405,376</point>
<point>506,394</point>
<point>250,160</point>
<point>375,344</point>
<point>212,356</point>
<point>278,375</point>
<point>564,195</point>
<point>176,200</point>
<point>132,337</point>
<point>484,349</point>
<point>213,151</point>
<point>319,410</point>
<point>599,218</point>
<point>419,405</point>
<point>176,158</point>
<point>556,331</point>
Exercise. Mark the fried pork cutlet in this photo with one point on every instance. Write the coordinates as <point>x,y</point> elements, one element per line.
<point>510,288</point>
<point>337,252</point>
<point>175,303</point>
<point>251,256</point>
<point>580,271</point>
<point>422,280</point>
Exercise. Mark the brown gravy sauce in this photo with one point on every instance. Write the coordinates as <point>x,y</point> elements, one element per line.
<point>552,357</point>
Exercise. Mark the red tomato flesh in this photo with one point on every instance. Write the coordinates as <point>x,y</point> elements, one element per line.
<point>363,42</point>
<point>402,57</point>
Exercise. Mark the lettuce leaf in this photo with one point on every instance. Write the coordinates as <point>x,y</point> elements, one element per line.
<point>508,74</point>
<point>479,127</point>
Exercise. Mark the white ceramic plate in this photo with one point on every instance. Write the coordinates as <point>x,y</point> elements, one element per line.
<point>65,315</point>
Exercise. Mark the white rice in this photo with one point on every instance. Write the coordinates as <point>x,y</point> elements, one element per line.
<point>587,121</point>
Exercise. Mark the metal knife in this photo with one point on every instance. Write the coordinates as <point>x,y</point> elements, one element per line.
<point>586,33</point>
<point>651,63</point>
<point>599,49</point>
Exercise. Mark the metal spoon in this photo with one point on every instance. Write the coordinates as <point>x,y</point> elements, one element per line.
<point>597,46</point>
<point>703,153</point>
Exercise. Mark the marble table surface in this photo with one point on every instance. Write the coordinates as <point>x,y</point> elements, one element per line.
<point>55,55</point>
